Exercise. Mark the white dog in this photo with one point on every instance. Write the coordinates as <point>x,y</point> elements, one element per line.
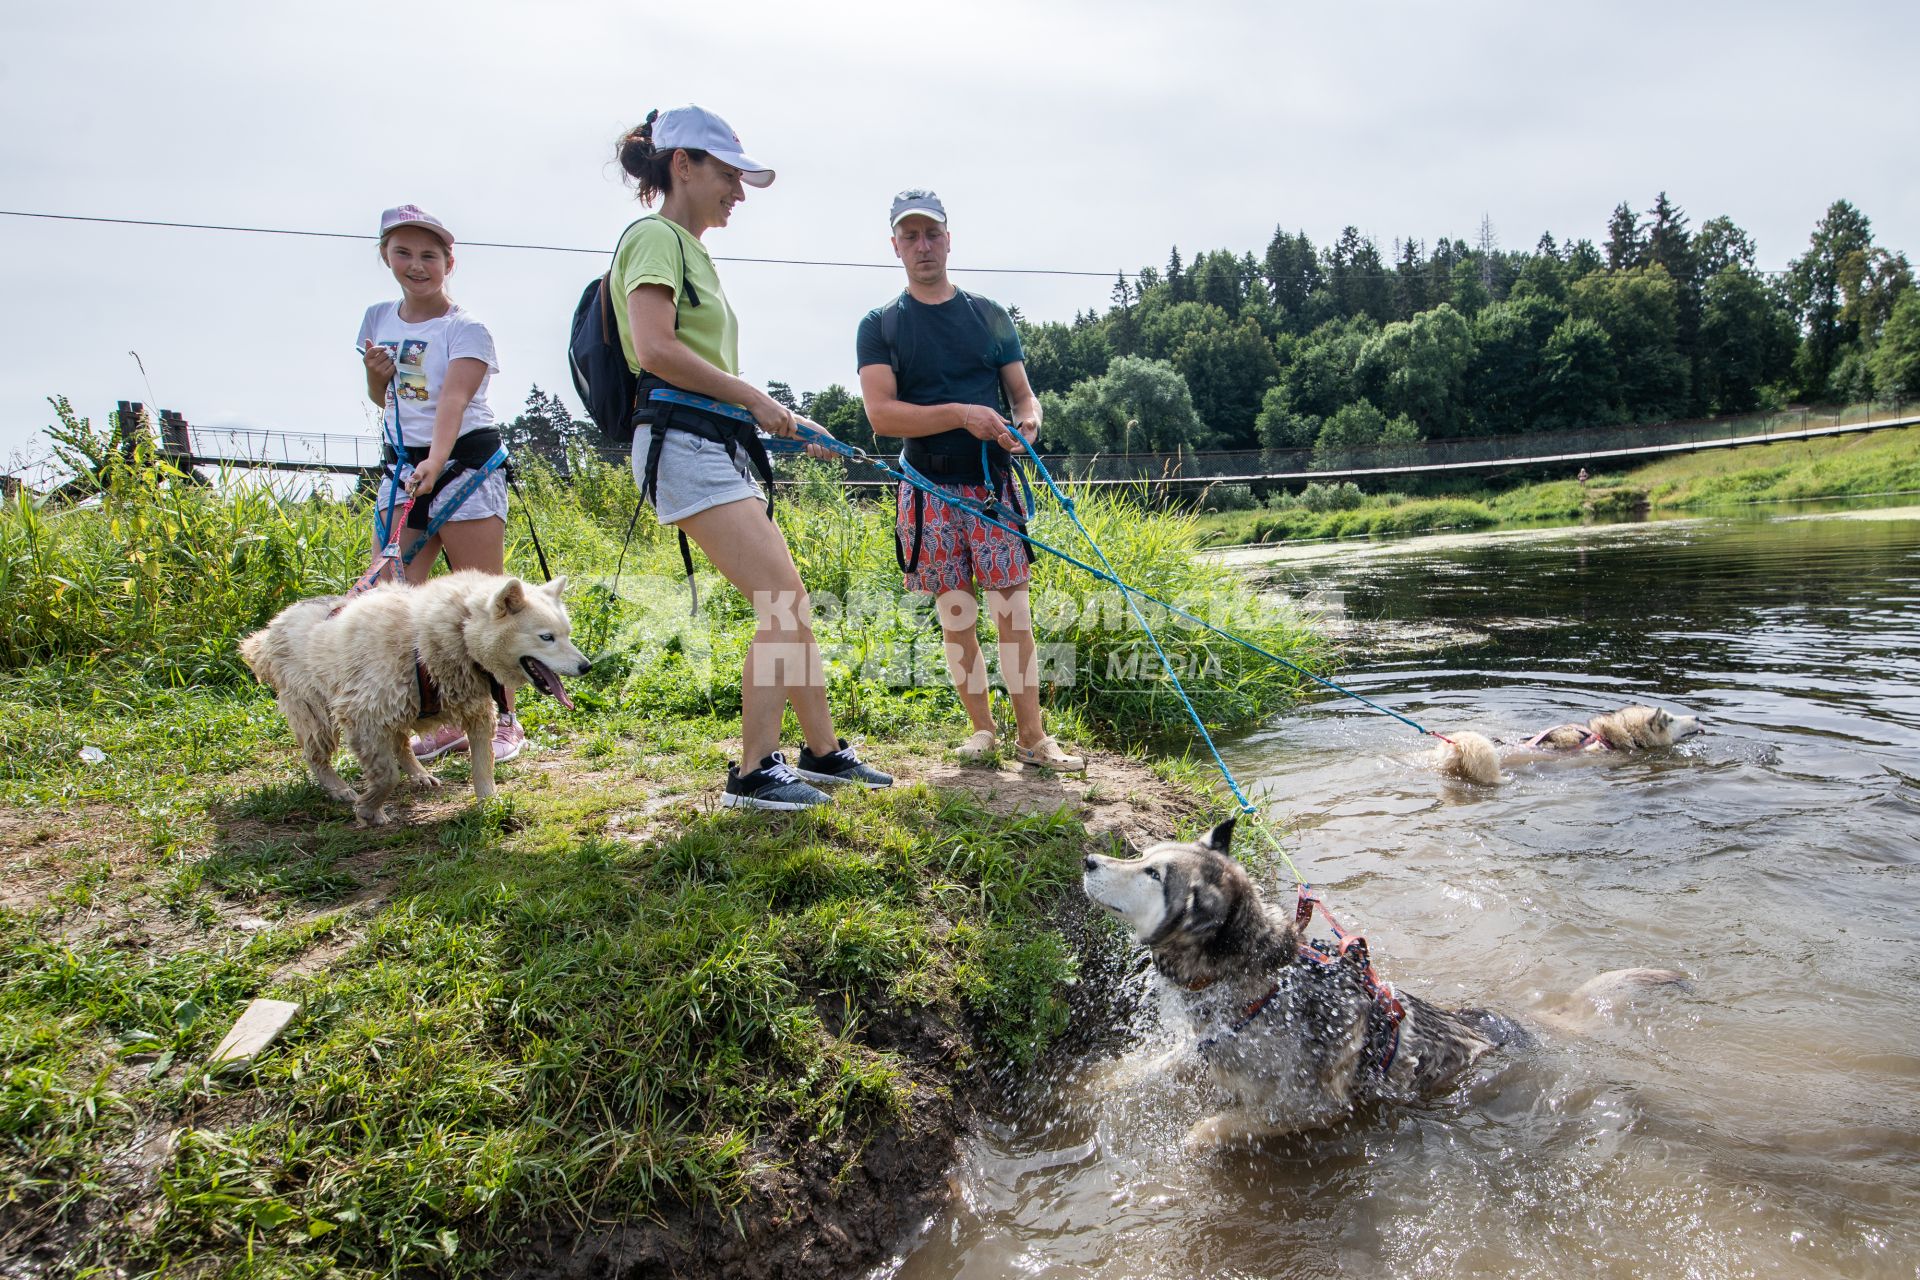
<point>1473,757</point>
<point>399,660</point>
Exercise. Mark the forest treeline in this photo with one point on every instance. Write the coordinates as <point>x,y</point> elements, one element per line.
<point>1342,346</point>
<point>1338,346</point>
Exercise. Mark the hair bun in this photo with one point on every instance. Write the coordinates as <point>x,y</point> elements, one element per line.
<point>634,151</point>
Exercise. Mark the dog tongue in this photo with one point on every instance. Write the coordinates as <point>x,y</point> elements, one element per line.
<point>549,683</point>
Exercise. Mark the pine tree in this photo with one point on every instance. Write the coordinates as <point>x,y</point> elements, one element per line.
<point>1179,286</point>
<point>1626,248</point>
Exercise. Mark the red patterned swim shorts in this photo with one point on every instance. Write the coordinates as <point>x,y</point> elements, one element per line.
<point>958,549</point>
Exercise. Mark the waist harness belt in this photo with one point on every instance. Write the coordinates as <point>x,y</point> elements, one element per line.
<point>664,408</point>
<point>480,451</point>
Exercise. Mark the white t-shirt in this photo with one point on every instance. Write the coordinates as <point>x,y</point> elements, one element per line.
<point>420,355</point>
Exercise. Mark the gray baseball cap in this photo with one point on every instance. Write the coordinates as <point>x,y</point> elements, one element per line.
<point>917,201</point>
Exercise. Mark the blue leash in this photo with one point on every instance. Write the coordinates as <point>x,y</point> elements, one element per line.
<point>921,482</point>
<point>910,475</point>
<point>456,499</point>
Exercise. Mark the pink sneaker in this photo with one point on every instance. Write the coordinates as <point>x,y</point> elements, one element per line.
<point>508,738</point>
<point>448,737</point>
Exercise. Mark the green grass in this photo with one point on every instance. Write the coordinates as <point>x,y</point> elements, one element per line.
<point>596,999</point>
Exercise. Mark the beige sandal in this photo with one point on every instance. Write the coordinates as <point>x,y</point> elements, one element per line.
<point>977,748</point>
<point>1046,754</point>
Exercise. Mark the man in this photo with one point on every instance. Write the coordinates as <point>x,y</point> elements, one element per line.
<point>936,364</point>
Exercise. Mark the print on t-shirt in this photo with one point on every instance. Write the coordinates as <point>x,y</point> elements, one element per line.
<point>412,373</point>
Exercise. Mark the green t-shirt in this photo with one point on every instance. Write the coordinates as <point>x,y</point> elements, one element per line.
<point>651,253</point>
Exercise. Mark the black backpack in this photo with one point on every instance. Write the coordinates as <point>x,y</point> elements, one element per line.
<point>597,358</point>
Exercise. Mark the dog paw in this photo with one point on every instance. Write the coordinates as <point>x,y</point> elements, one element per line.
<point>343,793</point>
<point>1204,1137</point>
<point>427,780</point>
<point>366,819</point>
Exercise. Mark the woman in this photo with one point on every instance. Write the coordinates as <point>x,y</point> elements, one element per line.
<point>680,333</point>
<point>427,362</point>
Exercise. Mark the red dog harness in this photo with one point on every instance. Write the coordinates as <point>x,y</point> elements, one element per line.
<point>1588,738</point>
<point>1349,948</point>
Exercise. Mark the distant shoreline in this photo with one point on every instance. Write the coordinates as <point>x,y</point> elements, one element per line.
<point>1270,553</point>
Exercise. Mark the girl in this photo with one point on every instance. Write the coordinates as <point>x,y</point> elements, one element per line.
<point>680,333</point>
<point>428,362</point>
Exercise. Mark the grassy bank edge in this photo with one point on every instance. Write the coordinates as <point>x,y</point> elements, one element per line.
<point>595,1009</point>
<point>1884,463</point>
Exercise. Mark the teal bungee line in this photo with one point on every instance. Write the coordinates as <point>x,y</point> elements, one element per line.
<point>920,482</point>
<point>911,475</point>
<point>1126,593</point>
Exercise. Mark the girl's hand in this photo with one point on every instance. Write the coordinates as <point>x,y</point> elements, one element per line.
<point>379,361</point>
<point>814,434</point>
<point>770,415</point>
<point>425,476</point>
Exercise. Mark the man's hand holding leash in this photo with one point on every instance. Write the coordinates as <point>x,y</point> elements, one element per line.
<point>985,424</point>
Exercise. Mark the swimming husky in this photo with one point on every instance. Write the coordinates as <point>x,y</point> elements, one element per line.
<point>1292,1033</point>
<point>1473,757</point>
<point>398,660</point>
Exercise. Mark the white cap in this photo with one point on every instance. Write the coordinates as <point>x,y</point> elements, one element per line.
<point>698,129</point>
<point>412,215</point>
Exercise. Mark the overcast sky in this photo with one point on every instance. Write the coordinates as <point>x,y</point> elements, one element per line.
<point>1070,135</point>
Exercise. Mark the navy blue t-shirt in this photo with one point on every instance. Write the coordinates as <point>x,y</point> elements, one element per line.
<point>949,354</point>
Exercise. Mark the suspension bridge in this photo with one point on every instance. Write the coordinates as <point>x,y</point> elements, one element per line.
<point>200,450</point>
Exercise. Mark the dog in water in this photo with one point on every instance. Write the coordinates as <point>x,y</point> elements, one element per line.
<point>1474,757</point>
<point>1296,1034</point>
<point>396,661</point>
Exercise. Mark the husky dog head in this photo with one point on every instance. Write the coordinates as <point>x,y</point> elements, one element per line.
<point>1641,727</point>
<point>1188,903</point>
<point>1471,757</point>
<point>520,635</point>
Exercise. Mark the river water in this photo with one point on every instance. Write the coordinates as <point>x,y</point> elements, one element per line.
<point>1766,1123</point>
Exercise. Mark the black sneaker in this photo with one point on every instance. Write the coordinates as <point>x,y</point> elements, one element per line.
<point>840,766</point>
<point>774,785</point>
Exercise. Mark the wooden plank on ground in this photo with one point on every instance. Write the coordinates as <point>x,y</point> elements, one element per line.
<point>258,1026</point>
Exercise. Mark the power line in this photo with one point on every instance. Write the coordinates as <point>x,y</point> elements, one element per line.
<point>564,248</point>
<point>543,248</point>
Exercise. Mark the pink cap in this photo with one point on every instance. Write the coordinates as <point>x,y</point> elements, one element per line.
<point>412,215</point>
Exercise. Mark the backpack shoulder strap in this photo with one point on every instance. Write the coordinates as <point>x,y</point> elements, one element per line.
<point>687,290</point>
<point>979,306</point>
<point>890,331</point>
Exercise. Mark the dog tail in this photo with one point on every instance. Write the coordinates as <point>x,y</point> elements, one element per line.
<point>253,651</point>
<point>1471,757</point>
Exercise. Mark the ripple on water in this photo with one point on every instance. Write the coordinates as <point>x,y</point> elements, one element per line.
<point>1763,1125</point>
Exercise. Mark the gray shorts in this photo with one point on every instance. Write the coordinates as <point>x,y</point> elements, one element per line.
<point>490,499</point>
<point>695,475</point>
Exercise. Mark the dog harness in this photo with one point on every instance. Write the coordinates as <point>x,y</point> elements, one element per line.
<point>1588,738</point>
<point>1383,1019</point>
